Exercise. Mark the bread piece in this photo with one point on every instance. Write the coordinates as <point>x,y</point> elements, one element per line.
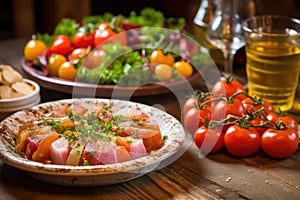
<point>6,92</point>
<point>10,76</point>
<point>22,87</point>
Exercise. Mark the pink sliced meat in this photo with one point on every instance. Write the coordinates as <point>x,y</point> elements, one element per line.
<point>59,151</point>
<point>137,149</point>
<point>107,152</point>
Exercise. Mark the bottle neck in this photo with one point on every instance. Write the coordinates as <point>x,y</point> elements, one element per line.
<point>205,13</point>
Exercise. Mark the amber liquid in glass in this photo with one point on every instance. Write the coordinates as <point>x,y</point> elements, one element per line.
<point>273,71</point>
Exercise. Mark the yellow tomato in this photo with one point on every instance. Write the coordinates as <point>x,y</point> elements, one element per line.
<point>67,71</point>
<point>33,49</point>
<point>158,57</point>
<point>163,71</point>
<point>55,61</point>
<point>183,68</point>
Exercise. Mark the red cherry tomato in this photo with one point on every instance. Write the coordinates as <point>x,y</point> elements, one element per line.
<point>241,142</point>
<point>83,40</point>
<point>288,121</point>
<point>209,140</point>
<point>102,34</point>
<point>61,45</point>
<point>258,122</point>
<point>251,105</point>
<point>195,118</point>
<point>280,143</point>
<point>228,86</point>
<point>188,104</point>
<point>224,108</point>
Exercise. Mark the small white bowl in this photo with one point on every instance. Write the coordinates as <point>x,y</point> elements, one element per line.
<point>9,106</point>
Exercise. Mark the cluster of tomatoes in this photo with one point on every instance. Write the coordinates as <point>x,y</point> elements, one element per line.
<point>166,64</point>
<point>64,52</point>
<point>228,117</point>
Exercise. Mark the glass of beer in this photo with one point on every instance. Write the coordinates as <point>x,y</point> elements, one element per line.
<point>273,58</point>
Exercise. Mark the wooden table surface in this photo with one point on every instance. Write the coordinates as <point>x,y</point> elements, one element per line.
<point>218,176</point>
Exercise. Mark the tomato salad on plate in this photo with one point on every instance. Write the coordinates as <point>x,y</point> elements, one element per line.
<point>82,50</point>
<point>80,136</point>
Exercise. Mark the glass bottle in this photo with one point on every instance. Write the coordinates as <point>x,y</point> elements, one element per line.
<point>201,20</point>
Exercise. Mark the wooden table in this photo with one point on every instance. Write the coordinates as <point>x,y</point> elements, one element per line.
<point>218,176</point>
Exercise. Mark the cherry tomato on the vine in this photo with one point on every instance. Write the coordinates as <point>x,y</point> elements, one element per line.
<point>191,102</point>
<point>241,142</point>
<point>209,140</point>
<point>228,86</point>
<point>195,118</point>
<point>280,143</point>
<point>258,123</point>
<point>223,108</point>
<point>254,105</point>
<point>288,121</point>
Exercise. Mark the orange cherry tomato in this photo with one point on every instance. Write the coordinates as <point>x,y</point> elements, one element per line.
<point>54,62</point>
<point>183,68</point>
<point>67,71</point>
<point>158,57</point>
<point>33,49</point>
<point>163,71</point>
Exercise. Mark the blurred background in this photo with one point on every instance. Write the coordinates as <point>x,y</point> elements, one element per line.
<point>22,18</point>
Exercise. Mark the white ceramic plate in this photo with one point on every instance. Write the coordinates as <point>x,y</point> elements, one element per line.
<point>97,174</point>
